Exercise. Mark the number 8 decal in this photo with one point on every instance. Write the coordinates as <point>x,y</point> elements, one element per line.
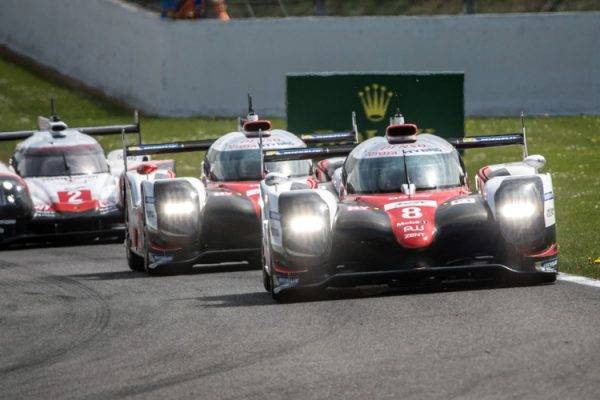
<point>411,212</point>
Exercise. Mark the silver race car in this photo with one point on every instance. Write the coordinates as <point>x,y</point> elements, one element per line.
<point>59,184</point>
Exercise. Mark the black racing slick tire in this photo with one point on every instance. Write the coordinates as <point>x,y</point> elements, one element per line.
<point>135,262</point>
<point>266,280</point>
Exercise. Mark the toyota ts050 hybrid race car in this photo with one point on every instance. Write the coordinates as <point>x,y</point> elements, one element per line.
<point>399,209</point>
<point>59,184</point>
<point>181,222</point>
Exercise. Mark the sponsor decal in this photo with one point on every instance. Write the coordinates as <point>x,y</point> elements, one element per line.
<point>149,199</point>
<point>375,99</point>
<point>287,281</point>
<point>274,231</point>
<point>406,149</point>
<point>548,196</point>
<point>413,235</point>
<point>252,192</point>
<point>547,265</point>
<point>550,212</point>
<point>490,138</point>
<point>221,194</point>
<point>358,208</point>
<point>413,228</point>
<point>404,223</point>
<point>274,215</point>
<point>467,200</point>
<point>8,221</point>
<point>324,136</point>
<point>152,147</point>
<point>411,203</point>
<point>160,258</point>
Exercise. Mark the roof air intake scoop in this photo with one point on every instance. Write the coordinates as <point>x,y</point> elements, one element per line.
<point>400,132</point>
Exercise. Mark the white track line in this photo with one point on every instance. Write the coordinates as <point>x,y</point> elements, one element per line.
<point>581,280</point>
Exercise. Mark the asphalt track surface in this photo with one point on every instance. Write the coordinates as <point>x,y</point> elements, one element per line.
<point>76,323</point>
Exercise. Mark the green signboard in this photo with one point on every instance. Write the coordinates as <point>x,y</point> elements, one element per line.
<point>324,102</point>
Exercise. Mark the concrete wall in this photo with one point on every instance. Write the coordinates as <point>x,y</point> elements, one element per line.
<point>542,63</point>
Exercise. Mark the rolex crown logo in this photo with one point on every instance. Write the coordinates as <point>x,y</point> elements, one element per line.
<point>375,100</point>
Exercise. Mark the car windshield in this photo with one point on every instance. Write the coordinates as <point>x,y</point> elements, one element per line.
<point>71,162</point>
<point>244,165</point>
<point>387,174</point>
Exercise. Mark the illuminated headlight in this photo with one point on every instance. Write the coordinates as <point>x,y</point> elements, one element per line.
<point>178,208</point>
<point>518,210</point>
<point>306,224</point>
<point>7,185</point>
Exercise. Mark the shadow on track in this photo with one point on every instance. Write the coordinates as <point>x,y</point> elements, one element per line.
<point>128,274</point>
<point>332,294</point>
<point>63,243</point>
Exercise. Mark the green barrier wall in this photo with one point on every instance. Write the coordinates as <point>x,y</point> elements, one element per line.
<point>324,102</point>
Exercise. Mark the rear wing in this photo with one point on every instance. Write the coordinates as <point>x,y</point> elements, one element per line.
<point>507,139</point>
<point>473,142</point>
<point>333,137</point>
<point>163,148</point>
<point>326,145</point>
<point>166,148</point>
<point>57,126</point>
<point>308,153</point>
<point>114,129</point>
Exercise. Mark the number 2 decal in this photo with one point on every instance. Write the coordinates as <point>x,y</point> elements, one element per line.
<point>74,196</point>
<point>411,212</point>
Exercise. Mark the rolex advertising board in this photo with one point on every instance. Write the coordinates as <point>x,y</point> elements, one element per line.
<point>324,102</point>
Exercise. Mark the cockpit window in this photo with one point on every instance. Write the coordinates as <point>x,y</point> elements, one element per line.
<point>387,174</point>
<point>244,165</point>
<point>71,161</point>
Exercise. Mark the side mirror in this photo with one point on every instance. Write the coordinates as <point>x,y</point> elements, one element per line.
<point>536,161</point>
<point>409,189</point>
<point>274,178</point>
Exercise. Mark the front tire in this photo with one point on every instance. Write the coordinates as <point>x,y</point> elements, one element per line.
<point>135,262</point>
<point>266,280</point>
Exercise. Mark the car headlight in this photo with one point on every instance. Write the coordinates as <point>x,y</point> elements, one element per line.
<point>520,211</point>
<point>306,224</point>
<point>178,208</point>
